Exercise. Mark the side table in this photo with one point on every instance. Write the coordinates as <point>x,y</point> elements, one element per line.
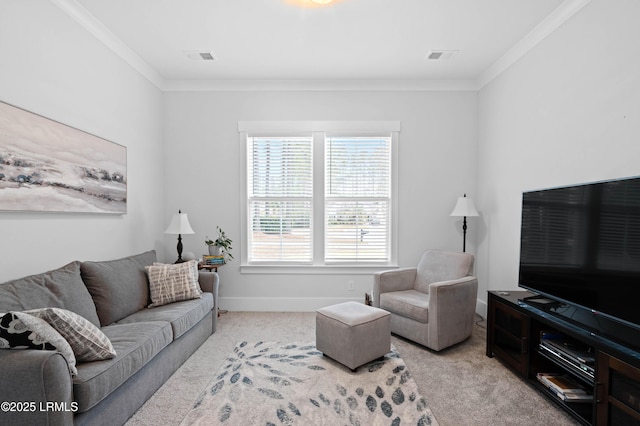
<point>213,268</point>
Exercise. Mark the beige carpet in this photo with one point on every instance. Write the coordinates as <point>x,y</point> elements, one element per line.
<point>460,384</point>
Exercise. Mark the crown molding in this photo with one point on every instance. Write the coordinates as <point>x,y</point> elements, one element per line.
<point>89,22</point>
<point>317,85</point>
<point>552,22</point>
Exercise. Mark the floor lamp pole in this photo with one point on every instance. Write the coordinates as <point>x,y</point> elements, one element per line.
<point>464,234</point>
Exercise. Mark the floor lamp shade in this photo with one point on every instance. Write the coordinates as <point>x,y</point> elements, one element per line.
<point>464,208</point>
<point>179,225</point>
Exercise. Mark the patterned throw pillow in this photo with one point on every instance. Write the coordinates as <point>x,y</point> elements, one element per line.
<point>86,340</point>
<point>193,267</point>
<point>19,330</point>
<point>173,282</point>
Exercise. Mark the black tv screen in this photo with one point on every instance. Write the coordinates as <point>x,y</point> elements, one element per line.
<point>581,245</point>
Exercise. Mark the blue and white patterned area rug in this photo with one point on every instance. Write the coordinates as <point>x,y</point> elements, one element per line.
<point>294,384</point>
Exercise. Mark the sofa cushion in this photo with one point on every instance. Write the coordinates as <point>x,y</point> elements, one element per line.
<point>60,288</point>
<point>408,303</point>
<point>182,316</point>
<point>173,282</point>
<point>136,344</point>
<point>86,340</point>
<point>19,330</point>
<point>118,287</point>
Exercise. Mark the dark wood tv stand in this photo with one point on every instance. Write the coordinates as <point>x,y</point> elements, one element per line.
<point>514,332</point>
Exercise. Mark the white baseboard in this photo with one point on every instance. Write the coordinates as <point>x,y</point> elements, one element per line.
<point>298,304</point>
<point>481,308</point>
<point>281,304</point>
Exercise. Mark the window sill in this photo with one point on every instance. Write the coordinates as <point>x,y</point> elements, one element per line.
<point>315,269</point>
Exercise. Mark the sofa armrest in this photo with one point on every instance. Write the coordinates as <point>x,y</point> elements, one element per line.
<point>40,379</point>
<point>210,282</point>
<point>452,306</point>
<point>392,280</point>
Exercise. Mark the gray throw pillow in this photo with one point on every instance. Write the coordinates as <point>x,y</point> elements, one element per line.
<point>60,288</point>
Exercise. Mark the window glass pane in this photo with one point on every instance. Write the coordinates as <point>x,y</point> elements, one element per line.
<point>280,231</point>
<point>358,167</point>
<point>357,231</point>
<point>281,167</point>
<point>357,199</point>
<point>280,188</point>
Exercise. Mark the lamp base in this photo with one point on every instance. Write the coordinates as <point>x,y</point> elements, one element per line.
<point>179,248</point>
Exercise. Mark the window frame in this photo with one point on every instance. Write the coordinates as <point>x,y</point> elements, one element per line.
<point>319,130</point>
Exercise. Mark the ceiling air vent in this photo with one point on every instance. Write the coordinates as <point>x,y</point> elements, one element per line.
<point>441,54</point>
<point>200,55</point>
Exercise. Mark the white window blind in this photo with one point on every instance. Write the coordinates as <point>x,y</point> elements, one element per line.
<point>280,199</point>
<point>357,199</point>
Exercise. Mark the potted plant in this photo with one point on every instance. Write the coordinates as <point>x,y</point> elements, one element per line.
<point>221,246</point>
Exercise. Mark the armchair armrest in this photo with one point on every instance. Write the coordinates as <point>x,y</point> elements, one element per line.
<point>452,306</point>
<point>392,280</point>
<point>36,377</point>
<point>210,282</point>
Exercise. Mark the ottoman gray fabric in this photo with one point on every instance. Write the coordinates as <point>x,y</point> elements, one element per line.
<point>352,333</point>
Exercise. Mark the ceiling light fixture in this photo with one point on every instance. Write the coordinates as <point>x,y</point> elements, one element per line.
<point>322,1</point>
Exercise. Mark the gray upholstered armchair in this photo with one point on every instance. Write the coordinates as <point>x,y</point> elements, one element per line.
<point>433,304</point>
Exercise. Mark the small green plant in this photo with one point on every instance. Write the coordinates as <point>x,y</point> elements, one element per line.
<point>222,241</point>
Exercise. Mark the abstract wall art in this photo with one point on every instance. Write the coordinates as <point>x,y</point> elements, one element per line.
<point>46,166</point>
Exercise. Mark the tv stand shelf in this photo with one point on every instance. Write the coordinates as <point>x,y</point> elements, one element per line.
<point>530,341</point>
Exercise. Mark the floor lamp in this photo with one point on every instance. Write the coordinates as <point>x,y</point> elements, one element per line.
<point>464,207</point>
<point>179,225</point>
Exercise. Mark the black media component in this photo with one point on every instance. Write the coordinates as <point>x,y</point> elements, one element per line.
<point>580,247</point>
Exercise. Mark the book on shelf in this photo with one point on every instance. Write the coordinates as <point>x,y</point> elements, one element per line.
<point>560,383</point>
<point>566,388</point>
<point>212,260</point>
<point>575,397</point>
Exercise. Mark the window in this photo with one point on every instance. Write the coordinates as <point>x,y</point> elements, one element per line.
<point>319,194</point>
<point>280,199</point>
<point>357,198</point>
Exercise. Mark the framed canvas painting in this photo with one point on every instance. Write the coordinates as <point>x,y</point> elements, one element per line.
<point>46,166</point>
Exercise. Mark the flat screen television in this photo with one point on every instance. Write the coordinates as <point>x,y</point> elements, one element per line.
<point>580,245</point>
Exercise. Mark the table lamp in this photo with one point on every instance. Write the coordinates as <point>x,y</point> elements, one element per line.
<point>179,225</point>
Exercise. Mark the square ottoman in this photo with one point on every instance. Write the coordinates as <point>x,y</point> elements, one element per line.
<point>352,333</point>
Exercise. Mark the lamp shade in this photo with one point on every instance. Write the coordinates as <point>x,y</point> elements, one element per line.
<point>179,225</point>
<point>464,207</point>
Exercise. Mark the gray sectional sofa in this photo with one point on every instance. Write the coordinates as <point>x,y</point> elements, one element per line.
<point>151,343</point>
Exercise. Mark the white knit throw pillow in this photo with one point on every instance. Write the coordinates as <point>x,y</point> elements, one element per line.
<point>170,283</point>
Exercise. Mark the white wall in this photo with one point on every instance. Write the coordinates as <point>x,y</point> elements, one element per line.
<point>437,163</point>
<point>566,113</point>
<point>51,66</point>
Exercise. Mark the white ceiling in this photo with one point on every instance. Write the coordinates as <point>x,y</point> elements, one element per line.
<point>293,40</point>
